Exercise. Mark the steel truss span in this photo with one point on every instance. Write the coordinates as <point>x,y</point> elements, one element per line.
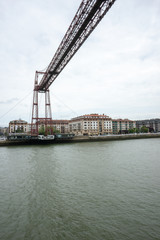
<point>86,19</point>
<point>89,14</point>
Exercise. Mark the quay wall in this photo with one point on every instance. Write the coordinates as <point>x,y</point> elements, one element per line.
<point>83,139</point>
<point>115,137</point>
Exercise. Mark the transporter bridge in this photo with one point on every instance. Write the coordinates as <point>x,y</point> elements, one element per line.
<point>89,14</point>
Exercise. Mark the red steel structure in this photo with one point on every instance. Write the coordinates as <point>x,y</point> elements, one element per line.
<point>89,14</point>
<point>35,109</point>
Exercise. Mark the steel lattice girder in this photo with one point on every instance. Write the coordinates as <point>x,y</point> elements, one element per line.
<point>86,19</point>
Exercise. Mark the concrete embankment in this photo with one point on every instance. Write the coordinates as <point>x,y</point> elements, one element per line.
<point>84,139</point>
<point>13,143</point>
<point>114,137</point>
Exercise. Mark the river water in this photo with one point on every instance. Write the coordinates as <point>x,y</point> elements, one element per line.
<point>81,191</point>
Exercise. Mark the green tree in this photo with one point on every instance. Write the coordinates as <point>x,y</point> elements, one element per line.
<point>51,130</point>
<point>19,130</point>
<point>144,129</point>
<point>48,130</point>
<point>55,130</point>
<point>133,130</point>
<point>41,130</point>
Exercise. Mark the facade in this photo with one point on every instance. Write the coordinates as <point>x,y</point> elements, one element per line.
<point>18,126</point>
<point>3,131</point>
<point>122,125</point>
<point>60,126</point>
<point>91,124</point>
<point>153,125</point>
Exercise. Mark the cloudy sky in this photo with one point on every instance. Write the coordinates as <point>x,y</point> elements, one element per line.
<point>115,72</point>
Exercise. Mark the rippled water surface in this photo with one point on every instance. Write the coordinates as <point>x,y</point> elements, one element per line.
<point>85,191</point>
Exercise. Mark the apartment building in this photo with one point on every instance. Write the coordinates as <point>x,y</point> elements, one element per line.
<point>152,124</point>
<point>91,124</point>
<point>61,126</point>
<point>18,126</point>
<point>122,125</point>
<point>3,130</point>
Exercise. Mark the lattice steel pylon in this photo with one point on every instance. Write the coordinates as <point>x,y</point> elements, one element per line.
<point>36,120</point>
<point>89,14</point>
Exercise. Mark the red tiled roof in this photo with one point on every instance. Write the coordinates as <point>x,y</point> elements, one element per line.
<point>94,115</point>
<point>91,116</point>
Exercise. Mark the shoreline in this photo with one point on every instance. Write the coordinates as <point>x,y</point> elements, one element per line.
<point>114,137</point>
<point>81,139</point>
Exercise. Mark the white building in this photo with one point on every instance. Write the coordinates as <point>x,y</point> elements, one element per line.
<point>19,126</point>
<point>91,124</point>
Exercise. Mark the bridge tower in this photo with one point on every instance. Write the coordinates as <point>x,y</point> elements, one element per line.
<point>36,120</point>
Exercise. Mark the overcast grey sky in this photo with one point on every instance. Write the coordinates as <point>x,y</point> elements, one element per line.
<point>115,72</point>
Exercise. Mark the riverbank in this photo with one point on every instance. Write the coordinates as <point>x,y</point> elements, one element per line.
<point>116,137</point>
<point>82,139</point>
